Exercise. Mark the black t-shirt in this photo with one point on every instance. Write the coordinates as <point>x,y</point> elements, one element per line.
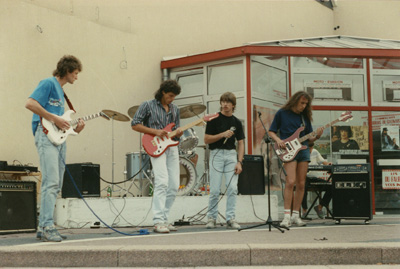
<point>221,124</point>
<point>338,145</point>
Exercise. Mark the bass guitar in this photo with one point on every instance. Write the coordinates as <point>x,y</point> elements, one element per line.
<point>58,136</point>
<point>293,143</point>
<point>155,146</point>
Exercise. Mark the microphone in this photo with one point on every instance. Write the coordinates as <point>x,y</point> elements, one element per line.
<point>233,128</point>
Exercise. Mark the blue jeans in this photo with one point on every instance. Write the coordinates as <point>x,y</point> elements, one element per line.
<point>166,183</point>
<point>223,162</point>
<point>52,165</point>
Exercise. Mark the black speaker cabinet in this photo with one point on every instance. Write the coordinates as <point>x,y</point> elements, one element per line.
<point>251,180</point>
<point>351,196</point>
<point>17,206</point>
<point>86,177</point>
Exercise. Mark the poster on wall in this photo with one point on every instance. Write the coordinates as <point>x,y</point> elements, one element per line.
<point>389,138</point>
<point>391,179</point>
<point>350,139</point>
<point>329,89</point>
<point>391,90</point>
<point>260,146</point>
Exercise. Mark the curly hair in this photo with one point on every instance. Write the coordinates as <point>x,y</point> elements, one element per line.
<point>67,64</point>
<point>167,86</point>
<point>294,100</point>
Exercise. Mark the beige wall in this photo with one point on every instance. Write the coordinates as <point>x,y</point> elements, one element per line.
<point>104,34</point>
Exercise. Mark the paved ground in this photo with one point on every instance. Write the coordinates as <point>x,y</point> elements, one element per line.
<point>322,242</point>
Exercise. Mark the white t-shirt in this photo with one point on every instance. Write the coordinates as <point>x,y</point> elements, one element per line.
<point>316,159</point>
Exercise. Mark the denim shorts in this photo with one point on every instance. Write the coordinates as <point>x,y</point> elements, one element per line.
<point>303,155</point>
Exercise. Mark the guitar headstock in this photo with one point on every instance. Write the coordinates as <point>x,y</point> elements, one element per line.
<point>346,116</point>
<point>210,116</point>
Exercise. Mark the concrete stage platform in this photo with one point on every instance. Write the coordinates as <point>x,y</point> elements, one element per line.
<point>133,211</point>
<point>321,243</point>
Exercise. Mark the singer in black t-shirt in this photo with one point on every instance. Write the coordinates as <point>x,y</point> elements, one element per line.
<point>221,136</point>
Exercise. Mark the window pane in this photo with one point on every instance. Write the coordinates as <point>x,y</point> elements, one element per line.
<point>191,82</point>
<point>331,88</point>
<point>269,78</point>
<point>386,136</point>
<point>327,63</point>
<point>226,77</point>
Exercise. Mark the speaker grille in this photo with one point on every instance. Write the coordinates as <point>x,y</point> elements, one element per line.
<point>86,177</point>
<point>251,180</point>
<point>17,206</point>
<point>351,196</point>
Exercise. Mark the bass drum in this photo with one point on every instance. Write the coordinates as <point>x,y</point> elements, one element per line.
<point>188,176</point>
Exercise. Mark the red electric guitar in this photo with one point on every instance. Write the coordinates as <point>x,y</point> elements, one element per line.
<point>293,143</point>
<point>155,146</point>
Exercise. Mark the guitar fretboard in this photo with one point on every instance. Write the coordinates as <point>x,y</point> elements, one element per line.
<point>85,118</point>
<point>187,126</point>
<point>314,133</point>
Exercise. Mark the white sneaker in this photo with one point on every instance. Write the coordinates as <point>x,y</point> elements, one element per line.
<point>211,224</point>
<point>285,222</point>
<point>232,224</point>
<point>297,221</point>
<point>172,228</point>
<point>161,228</point>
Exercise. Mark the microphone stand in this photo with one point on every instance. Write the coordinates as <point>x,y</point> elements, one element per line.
<point>269,221</point>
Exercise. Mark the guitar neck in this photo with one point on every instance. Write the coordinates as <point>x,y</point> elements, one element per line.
<point>184,128</point>
<point>85,118</point>
<point>306,137</point>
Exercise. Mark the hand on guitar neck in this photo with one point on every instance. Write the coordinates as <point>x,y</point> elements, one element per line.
<point>163,132</point>
<point>157,142</point>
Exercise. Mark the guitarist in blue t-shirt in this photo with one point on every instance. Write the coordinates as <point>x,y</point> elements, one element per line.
<point>296,113</point>
<point>47,102</point>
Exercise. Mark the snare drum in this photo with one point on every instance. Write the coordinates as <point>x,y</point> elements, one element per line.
<point>188,176</point>
<point>188,141</point>
<point>134,163</point>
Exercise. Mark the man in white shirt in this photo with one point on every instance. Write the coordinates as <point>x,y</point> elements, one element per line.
<point>312,176</point>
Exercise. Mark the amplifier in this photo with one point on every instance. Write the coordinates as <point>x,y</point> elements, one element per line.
<point>251,180</point>
<point>17,206</point>
<point>351,196</point>
<point>86,177</point>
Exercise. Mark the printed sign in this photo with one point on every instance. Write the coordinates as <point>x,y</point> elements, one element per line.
<point>391,179</point>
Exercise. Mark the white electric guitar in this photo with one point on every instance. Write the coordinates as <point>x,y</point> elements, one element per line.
<point>58,136</point>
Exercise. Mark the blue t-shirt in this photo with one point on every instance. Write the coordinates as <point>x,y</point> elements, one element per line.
<point>50,96</point>
<point>287,122</point>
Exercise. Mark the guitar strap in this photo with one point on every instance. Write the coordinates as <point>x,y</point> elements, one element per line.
<point>302,119</point>
<point>69,102</point>
<point>70,106</point>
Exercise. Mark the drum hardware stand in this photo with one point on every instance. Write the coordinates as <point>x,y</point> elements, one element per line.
<point>145,173</point>
<point>269,221</point>
<point>205,178</point>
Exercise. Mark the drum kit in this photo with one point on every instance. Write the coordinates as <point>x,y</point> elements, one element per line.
<point>139,161</point>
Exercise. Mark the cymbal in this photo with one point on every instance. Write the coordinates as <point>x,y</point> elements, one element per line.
<point>191,110</point>
<point>115,115</point>
<point>132,111</point>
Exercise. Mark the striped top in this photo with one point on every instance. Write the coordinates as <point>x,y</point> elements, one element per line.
<point>153,115</point>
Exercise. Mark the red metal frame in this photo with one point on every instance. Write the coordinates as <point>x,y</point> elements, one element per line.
<point>282,51</point>
<point>250,50</point>
<point>249,106</point>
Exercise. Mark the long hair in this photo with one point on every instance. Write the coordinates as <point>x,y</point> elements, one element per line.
<point>167,86</point>
<point>228,97</point>
<point>294,100</point>
<point>67,64</point>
